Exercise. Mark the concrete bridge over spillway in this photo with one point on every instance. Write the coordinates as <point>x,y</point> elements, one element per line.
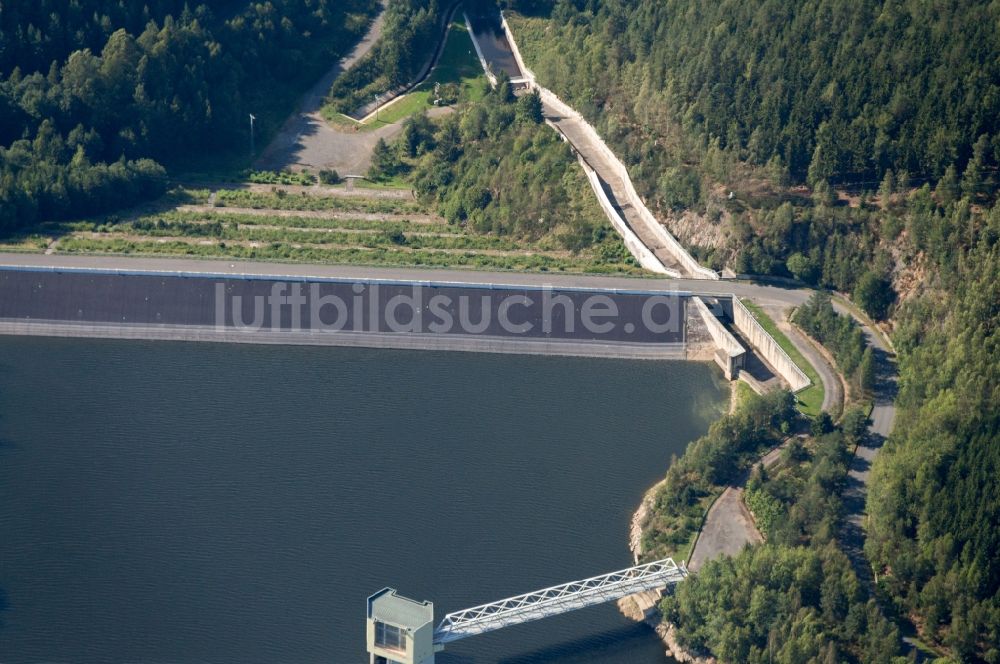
<point>401,630</point>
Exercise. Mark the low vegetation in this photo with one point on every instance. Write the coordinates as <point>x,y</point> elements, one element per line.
<point>304,178</point>
<point>797,501</point>
<point>347,255</point>
<point>314,226</point>
<point>279,199</point>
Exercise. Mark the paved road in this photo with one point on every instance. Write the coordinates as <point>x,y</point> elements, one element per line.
<point>728,528</point>
<point>307,140</point>
<point>882,419</point>
<point>833,389</point>
<point>790,296</point>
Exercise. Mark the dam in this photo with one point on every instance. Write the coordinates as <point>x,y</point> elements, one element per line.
<point>404,308</point>
<point>494,317</point>
<point>485,429</point>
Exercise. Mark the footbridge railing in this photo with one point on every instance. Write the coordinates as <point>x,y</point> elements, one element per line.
<point>558,599</point>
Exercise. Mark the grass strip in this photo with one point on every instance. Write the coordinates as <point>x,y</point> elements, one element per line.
<point>810,400</point>
<point>284,201</point>
<point>284,251</point>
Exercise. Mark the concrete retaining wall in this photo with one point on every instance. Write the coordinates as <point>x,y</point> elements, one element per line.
<point>530,75</point>
<point>768,347</point>
<point>730,354</point>
<point>472,344</point>
<point>635,246</point>
<point>754,384</point>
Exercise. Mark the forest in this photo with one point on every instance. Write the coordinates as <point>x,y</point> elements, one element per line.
<point>98,96</point>
<point>934,503</point>
<point>788,105</point>
<point>835,90</point>
<point>861,142</point>
<point>782,604</point>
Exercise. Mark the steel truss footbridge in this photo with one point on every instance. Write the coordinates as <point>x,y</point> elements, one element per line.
<point>390,609</point>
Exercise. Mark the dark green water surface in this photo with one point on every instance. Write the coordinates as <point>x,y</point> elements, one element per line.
<point>172,502</point>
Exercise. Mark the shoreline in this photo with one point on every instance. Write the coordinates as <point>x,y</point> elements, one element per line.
<point>644,607</point>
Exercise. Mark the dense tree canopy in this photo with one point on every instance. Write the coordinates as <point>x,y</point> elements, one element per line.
<point>412,28</point>
<point>97,89</point>
<point>782,605</point>
<point>700,100</point>
<point>495,168</point>
<point>934,503</point>
<point>34,34</point>
<point>834,89</point>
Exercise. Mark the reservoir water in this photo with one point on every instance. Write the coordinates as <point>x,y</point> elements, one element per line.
<point>171,502</point>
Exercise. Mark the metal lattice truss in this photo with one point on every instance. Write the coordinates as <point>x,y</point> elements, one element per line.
<point>558,599</point>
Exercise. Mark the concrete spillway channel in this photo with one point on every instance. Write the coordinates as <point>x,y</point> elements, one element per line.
<point>648,241</point>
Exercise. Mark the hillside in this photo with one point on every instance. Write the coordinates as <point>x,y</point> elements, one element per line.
<point>97,96</point>
<point>851,147</point>
<point>772,137</point>
<point>835,90</point>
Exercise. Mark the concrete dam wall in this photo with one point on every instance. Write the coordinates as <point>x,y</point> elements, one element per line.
<point>768,347</point>
<point>373,313</point>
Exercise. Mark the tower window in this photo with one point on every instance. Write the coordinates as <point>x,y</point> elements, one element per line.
<point>389,636</point>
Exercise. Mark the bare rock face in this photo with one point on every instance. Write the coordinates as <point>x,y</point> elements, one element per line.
<point>630,609</point>
<point>644,607</point>
<point>668,634</point>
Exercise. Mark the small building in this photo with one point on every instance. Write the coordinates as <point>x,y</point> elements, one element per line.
<point>400,630</point>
